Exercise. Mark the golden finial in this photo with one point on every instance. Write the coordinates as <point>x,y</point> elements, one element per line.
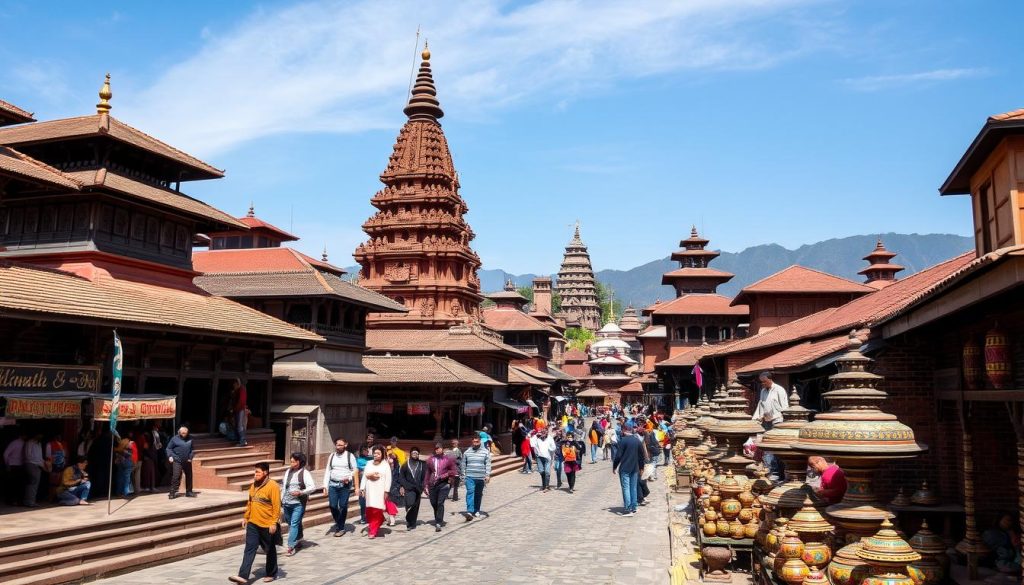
<point>426,51</point>
<point>105,94</point>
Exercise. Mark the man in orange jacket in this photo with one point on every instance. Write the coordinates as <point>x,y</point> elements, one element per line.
<point>260,523</point>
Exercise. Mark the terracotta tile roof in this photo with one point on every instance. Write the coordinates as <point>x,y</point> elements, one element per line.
<point>798,357</point>
<point>1011,115</point>
<point>861,312</point>
<point>294,284</point>
<point>14,114</point>
<point>631,387</point>
<point>799,280</point>
<point>699,272</point>
<point>520,378</point>
<point>425,370</point>
<point>513,320</point>
<point>28,169</point>
<point>686,359</point>
<point>698,304</point>
<point>575,355</point>
<point>105,125</point>
<point>560,374</point>
<point>256,223</point>
<point>248,260</point>
<point>591,393</point>
<point>133,304</point>
<point>534,373</point>
<point>654,331</point>
<point>387,371</point>
<point>429,341</point>
<point>106,179</point>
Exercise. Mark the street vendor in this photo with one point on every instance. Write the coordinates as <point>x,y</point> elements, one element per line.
<point>832,480</point>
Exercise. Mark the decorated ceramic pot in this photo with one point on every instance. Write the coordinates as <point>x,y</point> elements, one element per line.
<point>793,571</point>
<point>924,496</point>
<point>711,515</point>
<point>888,579</point>
<point>846,567</point>
<point>730,508</point>
<point>710,529</point>
<point>746,498</point>
<point>750,528</point>
<point>926,571</point>
<point>723,528</point>
<point>816,554</point>
<point>736,529</point>
<point>791,547</point>
<point>816,577</point>
<point>714,500</point>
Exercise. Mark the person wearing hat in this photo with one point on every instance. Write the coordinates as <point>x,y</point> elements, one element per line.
<point>628,459</point>
<point>441,473</point>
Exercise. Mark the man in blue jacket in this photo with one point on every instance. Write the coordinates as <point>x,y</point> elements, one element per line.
<point>628,460</point>
<point>179,454</point>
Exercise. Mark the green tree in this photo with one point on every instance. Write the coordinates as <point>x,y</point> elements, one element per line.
<point>607,303</point>
<point>526,291</point>
<point>576,338</point>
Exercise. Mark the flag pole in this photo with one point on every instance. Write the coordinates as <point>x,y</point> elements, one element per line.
<point>115,405</point>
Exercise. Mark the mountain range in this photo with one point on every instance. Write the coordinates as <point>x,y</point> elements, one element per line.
<point>641,285</point>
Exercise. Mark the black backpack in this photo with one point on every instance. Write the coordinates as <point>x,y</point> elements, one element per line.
<point>302,484</point>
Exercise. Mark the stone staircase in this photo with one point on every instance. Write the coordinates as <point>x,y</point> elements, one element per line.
<point>223,465</point>
<point>57,555</point>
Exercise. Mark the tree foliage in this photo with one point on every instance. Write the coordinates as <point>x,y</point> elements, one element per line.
<point>608,303</point>
<point>577,338</point>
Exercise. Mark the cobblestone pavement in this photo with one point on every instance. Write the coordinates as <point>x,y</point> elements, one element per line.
<point>529,537</point>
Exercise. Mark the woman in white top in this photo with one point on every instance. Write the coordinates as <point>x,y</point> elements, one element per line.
<point>377,476</point>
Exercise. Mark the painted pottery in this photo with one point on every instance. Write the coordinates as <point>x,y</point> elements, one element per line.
<point>815,577</point>
<point>972,364</point>
<point>997,358</point>
<point>888,579</point>
<point>791,546</point>
<point>710,515</point>
<point>750,528</point>
<point>710,529</point>
<point>745,515</point>
<point>886,551</point>
<point>816,554</point>
<point>793,571</point>
<point>736,529</point>
<point>926,571</point>
<point>746,498</point>
<point>901,499</point>
<point>723,528</point>
<point>924,496</point>
<point>730,508</point>
<point>846,567</point>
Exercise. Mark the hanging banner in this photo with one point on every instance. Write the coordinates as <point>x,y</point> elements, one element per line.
<point>473,408</point>
<point>134,407</point>
<point>43,407</point>
<point>380,408</point>
<point>115,369</point>
<point>417,408</point>
<point>39,377</point>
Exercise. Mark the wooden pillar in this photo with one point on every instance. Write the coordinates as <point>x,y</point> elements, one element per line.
<point>971,545</point>
<point>1016,411</point>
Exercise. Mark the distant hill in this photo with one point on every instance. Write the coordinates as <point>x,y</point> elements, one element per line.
<point>841,256</point>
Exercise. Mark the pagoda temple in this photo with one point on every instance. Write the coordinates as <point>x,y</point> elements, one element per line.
<point>881,272</point>
<point>418,249</point>
<point>577,286</point>
<point>418,254</point>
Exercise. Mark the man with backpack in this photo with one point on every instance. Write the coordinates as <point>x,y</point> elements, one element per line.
<point>296,487</point>
<point>341,477</point>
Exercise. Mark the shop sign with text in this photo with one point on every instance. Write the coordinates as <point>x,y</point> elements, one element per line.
<point>43,407</point>
<point>47,378</point>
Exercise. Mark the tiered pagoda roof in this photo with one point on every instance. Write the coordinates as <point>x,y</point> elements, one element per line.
<point>693,274</point>
<point>577,286</point>
<point>799,280</point>
<point>881,271</point>
<point>12,114</point>
<point>418,249</point>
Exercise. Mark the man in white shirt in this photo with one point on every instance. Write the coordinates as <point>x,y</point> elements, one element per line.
<point>544,446</point>
<point>33,470</point>
<point>771,402</point>
<point>341,478</point>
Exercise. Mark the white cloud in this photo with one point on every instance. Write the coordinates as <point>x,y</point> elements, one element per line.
<point>882,82</point>
<point>343,66</point>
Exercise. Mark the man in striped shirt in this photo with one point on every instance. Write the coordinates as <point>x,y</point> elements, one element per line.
<point>475,472</point>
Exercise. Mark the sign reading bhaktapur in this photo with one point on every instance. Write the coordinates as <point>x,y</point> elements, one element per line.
<point>135,409</point>
<point>43,378</point>
<point>45,408</point>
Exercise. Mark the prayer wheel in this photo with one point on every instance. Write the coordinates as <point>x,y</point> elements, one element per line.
<point>997,358</point>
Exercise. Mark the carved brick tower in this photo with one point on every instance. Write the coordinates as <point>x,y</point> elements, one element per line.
<point>418,249</point>
<point>576,285</point>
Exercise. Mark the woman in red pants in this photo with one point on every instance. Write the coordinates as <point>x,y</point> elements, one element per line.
<point>378,484</point>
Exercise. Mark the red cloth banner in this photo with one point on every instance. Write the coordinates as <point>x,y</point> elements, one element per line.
<point>473,408</point>
<point>129,409</point>
<point>380,408</point>
<point>44,407</point>
<point>418,408</point>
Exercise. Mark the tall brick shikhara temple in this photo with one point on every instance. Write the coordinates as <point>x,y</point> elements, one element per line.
<point>576,285</point>
<point>418,250</point>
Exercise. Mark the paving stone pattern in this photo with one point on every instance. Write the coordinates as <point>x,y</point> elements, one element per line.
<point>529,537</point>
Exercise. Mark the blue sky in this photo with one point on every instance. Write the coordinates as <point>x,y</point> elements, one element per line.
<point>787,121</point>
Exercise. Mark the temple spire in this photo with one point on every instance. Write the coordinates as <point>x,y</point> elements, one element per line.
<point>252,210</point>
<point>105,94</point>
<point>324,256</point>
<point>423,104</point>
